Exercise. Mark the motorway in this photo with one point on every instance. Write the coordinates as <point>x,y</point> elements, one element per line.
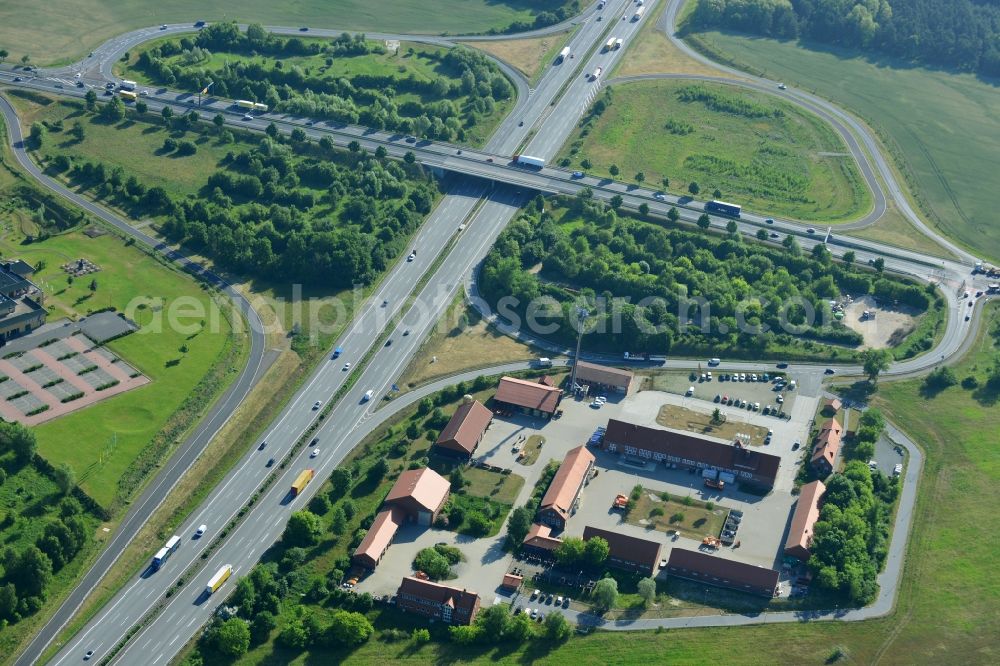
<point>464,225</point>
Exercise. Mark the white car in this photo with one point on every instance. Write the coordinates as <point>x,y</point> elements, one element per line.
<point>200,532</point>
<point>743,377</point>
<point>534,613</point>
<point>534,594</point>
<point>597,404</point>
<point>897,469</point>
<point>347,366</point>
<point>782,86</point>
<point>316,405</point>
<point>247,116</point>
<point>315,452</point>
<point>690,391</point>
<point>659,196</point>
<point>368,396</point>
<point>601,399</point>
<point>144,93</point>
<point>411,257</point>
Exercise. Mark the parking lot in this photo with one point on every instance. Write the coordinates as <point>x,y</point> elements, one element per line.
<point>765,519</point>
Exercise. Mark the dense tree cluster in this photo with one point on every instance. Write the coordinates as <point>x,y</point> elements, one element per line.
<point>747,286</point>
<point>964,34</point>
<point>851,537</point>
<point>27,572</point>
<point>549,13</point>
<point>306,212</point>
<point>466,86</point>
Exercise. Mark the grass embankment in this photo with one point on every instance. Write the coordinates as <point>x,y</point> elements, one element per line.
<point>894,229</point>
<point>461,340</point>
<point>940,127</point>
<point>760,152</point>
<point>64,30</point>
<point>652,53</point>
<point>529,56</point>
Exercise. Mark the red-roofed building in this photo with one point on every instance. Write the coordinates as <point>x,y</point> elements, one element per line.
<point>511,582</point>
<point>573,474</point>
<point>539,541</point>
<point>379,537</point>
<point>465,430</point>
<point>627,552</point>
<point>417,496</point>
<point>824,456</point>
<point>720,572</point>
<point>806,514</point>
<point>447,604</point>
<point>528,397</point>
<point>420,493</point>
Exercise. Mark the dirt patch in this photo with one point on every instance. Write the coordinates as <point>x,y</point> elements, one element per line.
<point>884,326</point>
<point>681,418</point>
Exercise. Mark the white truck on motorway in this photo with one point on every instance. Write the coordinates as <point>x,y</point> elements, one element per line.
<point>529,161</point>
<point>127,85</point>
<point>618,43</point>
<point>638,13</point>
<point>563,54</point>
<point>597,74</point>
<point>610,44</point>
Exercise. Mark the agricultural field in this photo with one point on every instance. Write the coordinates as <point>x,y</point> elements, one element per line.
<point>940,127</point>
<point>752,148</point>
<point>446,94</point>
<point>64,30</point>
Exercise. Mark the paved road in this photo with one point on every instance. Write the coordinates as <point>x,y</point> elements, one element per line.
<point>352,417</point>
<point>189,450</point>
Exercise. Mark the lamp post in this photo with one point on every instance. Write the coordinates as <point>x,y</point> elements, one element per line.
<point>581,315</point>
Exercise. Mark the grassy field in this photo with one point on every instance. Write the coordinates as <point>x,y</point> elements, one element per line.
<point>529,56</point>
<point>134,147</point>
<point>695,520</point>
<point>652,53</point>
<point>461,340</point>
<point>894,229</point>
<point>126,423</point>
<point>942,128</point>
<point>63,30</point>
<point>760,152</point>
<point>681,418</point>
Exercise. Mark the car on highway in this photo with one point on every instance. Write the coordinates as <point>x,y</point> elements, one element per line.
<point>347,366</point>
<point>163,27</point>
<point>659,196</point>
<point>18,79</point>
<point>247,116</point>
<point>782,86</point>
<point>781,365</point>
<point>411,139</point>
<point>406,332</point>
<point>263,445</point>
<point>316,405</point>
<point>144,93</point>
<point>769,220</point>
<point>967,317</point>
<point>200,532</point>
<point>971,303</point>
<point>270,462</point>
<point>88,655</point>
<point>79,84</point>
<point>314,453</point>
<point>388,343</point>
<point>810,230</point>
<point>109,85</point>
<point>578,174</point>
<point>412,256</point>
<point>78,75</point>
<point>829,371</point>
<point>303,29</point>
<point>369,394</point>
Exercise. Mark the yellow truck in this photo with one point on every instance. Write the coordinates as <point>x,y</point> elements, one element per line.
<point>301,481</point>
<point>220,577</point>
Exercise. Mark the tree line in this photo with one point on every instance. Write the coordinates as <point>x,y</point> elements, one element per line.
<point>466,87</point>
<point>962,34</point>
<point>602,256</point>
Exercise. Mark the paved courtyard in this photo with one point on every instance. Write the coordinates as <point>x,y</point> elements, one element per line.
<point>761,535</point>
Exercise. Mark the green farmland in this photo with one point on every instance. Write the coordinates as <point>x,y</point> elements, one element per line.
<point>758,151</point>
<point>63,30</point>
<point>943,127</point>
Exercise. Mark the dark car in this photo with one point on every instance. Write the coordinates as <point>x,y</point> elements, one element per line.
<point>769,221</point>
<point>782,365</point>
<point>303,29</point>
<point>18,79</point>
<point>199,24</point>
<point>270,462</point>
<point>388,343</point>
<point>263,445</point>
<point>109,85</point>
<point>795,446</point>
<point>828,371</point>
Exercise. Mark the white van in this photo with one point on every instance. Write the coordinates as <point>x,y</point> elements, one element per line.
<point>714,361</point>
<point>545,362</point>
<point>368,396</point>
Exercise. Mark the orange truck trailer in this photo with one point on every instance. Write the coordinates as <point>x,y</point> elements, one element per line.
<point>301,481</point>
